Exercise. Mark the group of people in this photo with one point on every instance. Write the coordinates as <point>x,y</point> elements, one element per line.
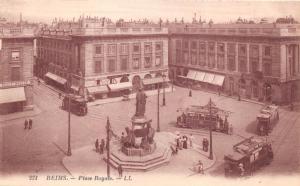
<point>28,124</point>
<point>100,146</point>
<point>182,141</point>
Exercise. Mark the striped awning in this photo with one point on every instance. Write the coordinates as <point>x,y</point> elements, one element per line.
<point>119,86</point>
<point>11,95</point>
<point>156,80</point>
<point>97,89</point>
<point>56,78</point>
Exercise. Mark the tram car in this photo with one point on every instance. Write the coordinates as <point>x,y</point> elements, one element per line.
<point>266,119</point>
<point>78,105</point>
<point>247,156</point>
<point>201,117</point>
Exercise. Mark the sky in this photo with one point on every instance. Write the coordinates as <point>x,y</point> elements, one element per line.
<point>218,10</point>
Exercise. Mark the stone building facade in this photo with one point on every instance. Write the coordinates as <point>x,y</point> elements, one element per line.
<point>254,61</point>
<point>99,59</point>
<point>17,48</point>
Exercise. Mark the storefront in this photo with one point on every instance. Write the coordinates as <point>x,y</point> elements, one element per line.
<point>153,83</point>
<point>119,89</point>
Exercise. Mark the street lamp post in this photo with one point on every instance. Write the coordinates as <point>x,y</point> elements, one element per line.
<point>210,133</point>
<point>108,147</point>
<point>158,91</point>
<point>69,153</point>
<point>164,97</point>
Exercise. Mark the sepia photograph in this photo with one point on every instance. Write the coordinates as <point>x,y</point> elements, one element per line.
<point>149,92</point>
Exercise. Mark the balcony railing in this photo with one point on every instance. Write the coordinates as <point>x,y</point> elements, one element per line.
<point>105,31</point>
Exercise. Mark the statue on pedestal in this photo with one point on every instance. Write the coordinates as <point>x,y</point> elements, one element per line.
<point>140,103</point>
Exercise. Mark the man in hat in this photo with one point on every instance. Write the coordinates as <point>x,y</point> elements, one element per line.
<point>25,124</point>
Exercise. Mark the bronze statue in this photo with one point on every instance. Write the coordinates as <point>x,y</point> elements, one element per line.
<point>140,103</point>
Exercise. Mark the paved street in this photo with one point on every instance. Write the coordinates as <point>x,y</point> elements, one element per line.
<point>41,149</point>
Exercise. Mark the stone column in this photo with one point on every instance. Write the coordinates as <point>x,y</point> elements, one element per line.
<point>283,62</point>
<point>216,55</point>
<point>236,57</point>
<point>260,53</point>
<point>225,57</point>
<point>248,57</point>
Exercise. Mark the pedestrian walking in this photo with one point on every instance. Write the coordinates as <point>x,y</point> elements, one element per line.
<point>191,138</point>
<point>39,81</point>
<point>184,142</point>
<point>120,171</point>
<point>241,170</point>
<point>25,124</point>
<point>97,145</point>
<point>102,145</point>
<point>200,167</point>
<point>30,124</point>
<point>230,132</point>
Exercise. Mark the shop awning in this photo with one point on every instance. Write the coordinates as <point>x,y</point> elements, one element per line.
<point>208,78</point>
<point>191,74</point>
<point>10,95</point>
<point>183,77</point>
<point>76,88</point>
<point>200,76</point>
<point>56,78</point>
<point>157,80</point>
<point>119,86</point>
<point>218,80</point>
<point>97,89</point>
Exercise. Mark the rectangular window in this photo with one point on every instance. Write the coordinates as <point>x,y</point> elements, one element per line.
<point>254,51</point>
<point>178,56</point>
<point>186,45</point>
<point>242,50</point>
<point>231,63</point>
<point>267,69</point>
<point>99,49</point>
<point>98,66</point>
<point>194,58</point>
<point>267,51</point>
<point>242,65</point>
<point>231,48</point>
<point>221,60</point>
<point>111,50</point>
<point>194,45</point>
<point>124,63</point>
<point>158,61</point>
<point>211,61</point>
<point>186,57</point>
<point>147,60</point>
<point>211,47</point>
<point>158,46</point>
<point>148,47</point>
<point>136,62</point>
<point>111,65</point>
<point>221,48</point>
<point>254,65</point>
<point>136,48</point>
<point>202,46</point>
<point>124,49</point>
<point>15,74</point>
<point>202,59</point>
<point>15,55</point>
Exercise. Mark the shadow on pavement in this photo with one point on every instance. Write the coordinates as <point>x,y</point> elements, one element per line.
<point>217,170</point>
<point>251,127</point>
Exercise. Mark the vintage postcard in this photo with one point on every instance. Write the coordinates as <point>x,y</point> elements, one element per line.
<point>152,92</point>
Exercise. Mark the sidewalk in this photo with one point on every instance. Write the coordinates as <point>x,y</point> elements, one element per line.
<point>18,115</point>
<point>85,161</point>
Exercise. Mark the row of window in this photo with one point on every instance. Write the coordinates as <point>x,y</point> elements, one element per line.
<point>213,47</point>
<point>58,58</point>
<point>111,49</point>
<point>124,63</point>
<point>219,63</point>
<point>55,44</point>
